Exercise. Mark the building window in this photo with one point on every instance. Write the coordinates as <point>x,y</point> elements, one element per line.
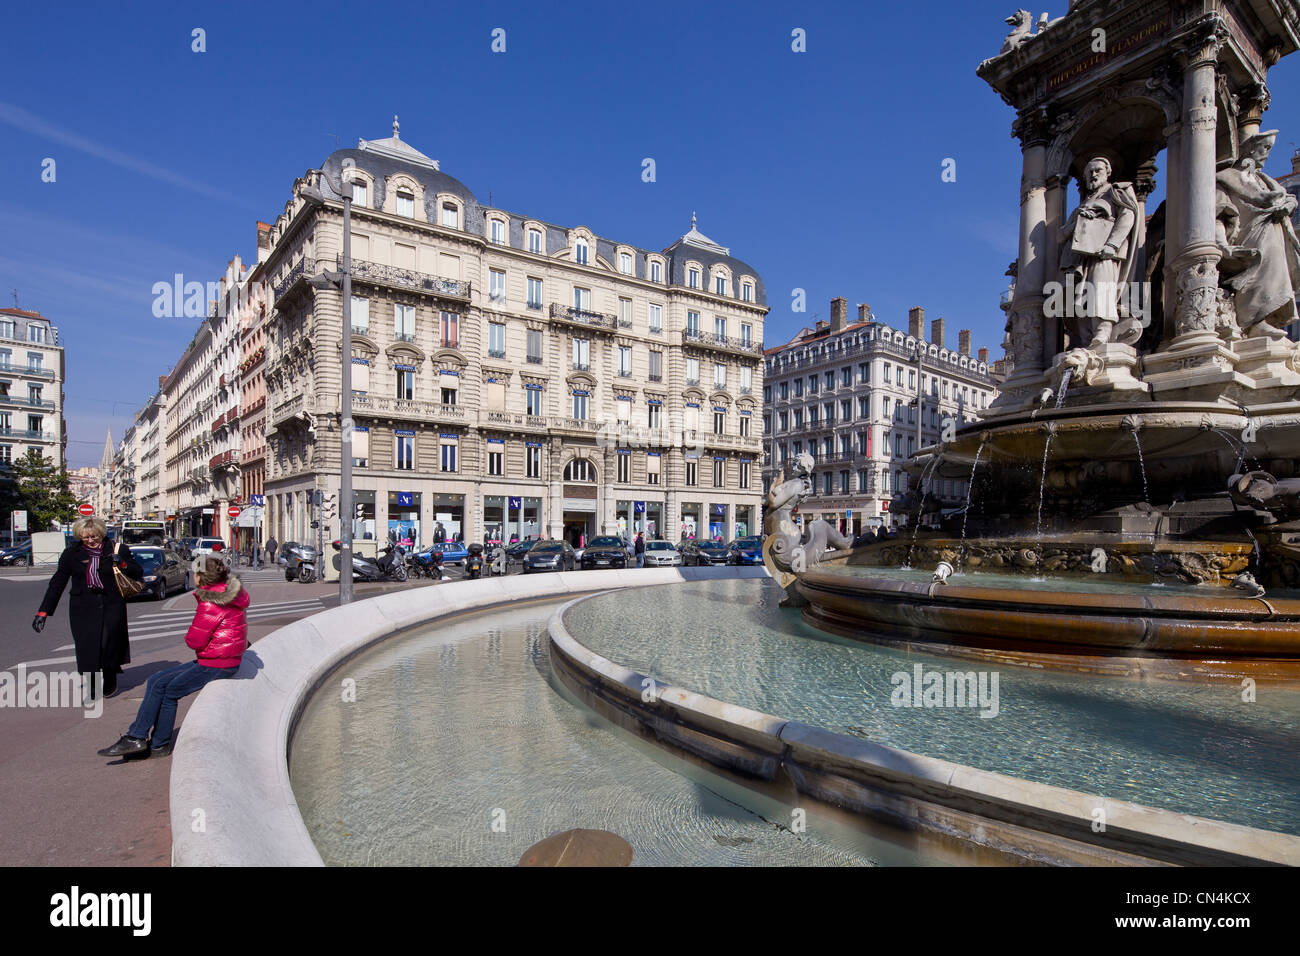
<point>450,330</point>
<point>719,473</point>
<point>827,478</point>
<point>744,474</point>
<point>783,389</point>
<point>812,384</point>
<point>581,355</point>
<point>498,234</point>
<point>405,452</point>
<point>656,366</point>
<point>719,375</point>
<point>744,425</point>
<point>496,285</point>
<point>535,346</point>
<point>533,461</point>
<point>693,278</point>
<point>624,361</point>
<point>656,318</point>
<point>652,418</point>
<point>581,251</point>
<point>624,313</point>
<point>496,459</point>
<point>830,381</point>
<point>448,456</point>
<point>720,327</point>
<point>582,299</point>
<point>656,272</point>
<point>406,203</point>
<point>580,469</point>
<point>692,473</point>
<point>404,323</point>
<point>360,315</point>
<point>746,334</point>
<point>719,422</point>
<point>533,401</point>
<point>405,384</point>
<point>746,380</point>
<point>692,371</point>
<point>798,418</point>
<point>534,293</point>
<point>624,468</point>
<point>625,263</point>
<point>693,323</point>
<point>535,241</point>
<point>580,405</point>
<point>37,333</point>
<point>6,454</point>
<point>864,406</point>
<point>360,193</point>
<point>720,285</point>
<point>652,465</point>
<point>497,339</point>
<point>450,215</point>
<point>798,388</point>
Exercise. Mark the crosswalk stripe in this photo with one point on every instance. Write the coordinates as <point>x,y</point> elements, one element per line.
<point>188,615</point>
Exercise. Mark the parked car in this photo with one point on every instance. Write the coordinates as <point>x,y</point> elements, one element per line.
<point>18,555</point>
<point>662,554</point>
<point>604,552</point>
<point>453,552</point>
<point>747,550</point>
<point>703,551</point>
<point>517,550</point>
<point>164,570</point>
<point>210,546</point>
<point>548,555</point>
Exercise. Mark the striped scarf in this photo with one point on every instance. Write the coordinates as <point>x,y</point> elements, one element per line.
<point>92,569</point>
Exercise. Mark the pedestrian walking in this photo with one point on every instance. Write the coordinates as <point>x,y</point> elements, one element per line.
<point>640,550</point>
<point>271,545</point>
<point>96,609</point>
<point>218,635</point>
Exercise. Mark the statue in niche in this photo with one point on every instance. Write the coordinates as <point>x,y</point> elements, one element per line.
<point>1100,245</point>
<point>1265,290</point>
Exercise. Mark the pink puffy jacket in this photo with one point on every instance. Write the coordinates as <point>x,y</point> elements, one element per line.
<point>219,631</point>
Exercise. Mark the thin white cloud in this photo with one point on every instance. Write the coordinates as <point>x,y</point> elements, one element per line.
<point>30,123</point>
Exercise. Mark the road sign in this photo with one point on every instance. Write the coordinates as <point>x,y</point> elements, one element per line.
<point>233,511</point>
<point>86,509</point>
<point>257,499</point>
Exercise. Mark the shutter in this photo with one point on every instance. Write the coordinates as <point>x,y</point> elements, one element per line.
<point>360,375</point>
<point>496,395</point>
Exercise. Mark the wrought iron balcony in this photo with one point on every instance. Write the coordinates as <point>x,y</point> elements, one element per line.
<point>27,402</point>
<point>586,319</point>
<point>303,269</point>
<point>10,368</point>
<point>723,342</point>
<point>497,353</point>
<point>375,273</point>
<point>404,337</point>
<point>26,433</point>
<point>535,359</point>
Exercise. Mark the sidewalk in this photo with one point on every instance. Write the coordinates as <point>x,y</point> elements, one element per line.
<point>66,806</point>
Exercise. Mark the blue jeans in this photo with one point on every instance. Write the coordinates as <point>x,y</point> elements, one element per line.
<point>162,693</point>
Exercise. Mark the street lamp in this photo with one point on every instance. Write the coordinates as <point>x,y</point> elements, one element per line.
<point>342,281</point>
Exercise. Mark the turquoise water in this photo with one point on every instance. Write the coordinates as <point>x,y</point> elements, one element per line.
<point>457,750</point>
<point>1198,749</point>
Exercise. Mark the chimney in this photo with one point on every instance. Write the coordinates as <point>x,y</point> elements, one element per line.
<point>822,325</point>
<point>916,322</point>
<point>839,313</point>
<point>963,341</point>
<point>263,241</point>
<point>864,312</point>
<point>984,355</point>
<point>936,332</point>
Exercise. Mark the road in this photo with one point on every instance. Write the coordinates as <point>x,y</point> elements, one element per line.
<point>61,803</point>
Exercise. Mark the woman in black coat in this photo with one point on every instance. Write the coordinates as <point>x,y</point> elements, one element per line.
<point>96,609</point>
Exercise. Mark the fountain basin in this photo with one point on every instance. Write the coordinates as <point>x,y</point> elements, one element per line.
<point>1135,631</point>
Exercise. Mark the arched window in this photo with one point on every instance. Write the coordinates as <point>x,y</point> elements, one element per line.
<point>581,252</point>
<point>406,203</point>
<point>580,469</point>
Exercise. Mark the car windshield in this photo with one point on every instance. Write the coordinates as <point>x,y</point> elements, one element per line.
<point>545,548</point>
<point>148,558</point>
<point>658,546</point>
<point>711,544</point>
<point>748,543</point>
<point>605,543</point>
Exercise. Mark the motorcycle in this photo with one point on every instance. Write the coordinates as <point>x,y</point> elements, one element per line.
<point>388,567</point>
<point>474,561</point>
<point>426,563</point>
<point>299,563</point>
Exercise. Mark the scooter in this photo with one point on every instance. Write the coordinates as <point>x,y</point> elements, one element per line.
<point>474,561</point>
<point>427,563</point>
<point>389,567</point>
<point>300,564</point>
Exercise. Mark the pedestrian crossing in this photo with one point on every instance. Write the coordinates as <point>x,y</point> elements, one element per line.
<point>161,624</point>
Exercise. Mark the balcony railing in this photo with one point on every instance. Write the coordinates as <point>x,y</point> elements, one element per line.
<point>302,269</point>
<point>408,409</point>
<point>535,359</point>
<point>725,342</point>
<point>26,402</point>
<point>376,273</point>
<point>587,319</point>
<point>26,433</point>
<point>518,420</point>
<point>404,337</point>
<point>693,381</point>
<point>497,353</point>
<point>581,366</point>
<point>9,368</point>
<point>655,378</point>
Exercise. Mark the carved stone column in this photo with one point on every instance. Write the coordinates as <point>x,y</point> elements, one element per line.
<point>1195,363</point>
<point>1252,102</point>
<point>1026,311</point>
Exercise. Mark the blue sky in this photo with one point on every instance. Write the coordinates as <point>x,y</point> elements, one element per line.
<point>820,169</point>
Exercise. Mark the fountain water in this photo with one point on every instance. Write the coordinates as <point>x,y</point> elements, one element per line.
<point>965,515</point>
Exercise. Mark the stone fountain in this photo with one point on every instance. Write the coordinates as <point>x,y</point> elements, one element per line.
<point>1134,496</point>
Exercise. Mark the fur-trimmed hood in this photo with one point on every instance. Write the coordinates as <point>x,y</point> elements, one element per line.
<point>232,589</point>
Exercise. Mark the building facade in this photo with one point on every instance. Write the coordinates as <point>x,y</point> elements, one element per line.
<point>510,377</point>
<point>848,395</point>
<point>31,387</point>
<point>254,314</point>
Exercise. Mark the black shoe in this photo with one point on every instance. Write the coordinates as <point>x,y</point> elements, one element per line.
<point>127,748</point>
<point>165,751</point>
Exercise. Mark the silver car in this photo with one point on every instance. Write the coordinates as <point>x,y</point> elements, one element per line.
<point>661,554</point>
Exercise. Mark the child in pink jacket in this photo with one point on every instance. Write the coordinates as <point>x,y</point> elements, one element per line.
<point>218,635</point>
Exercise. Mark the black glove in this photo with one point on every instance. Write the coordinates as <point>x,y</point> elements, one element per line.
<point>38,623</point>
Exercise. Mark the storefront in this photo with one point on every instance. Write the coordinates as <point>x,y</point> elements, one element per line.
<point>511,518</point>
<point>640,517</point>
<point>746,523</point>
<point>404,518</point>
<point>363,507</point>
<point>718,522</point>
<point>449,513</point>
<point>692,522</point>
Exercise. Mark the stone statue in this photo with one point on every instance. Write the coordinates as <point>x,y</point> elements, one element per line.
<point>1021,23</point>
<point>1266,290</point>
<point>786,552</point>
<point>1100,245</point>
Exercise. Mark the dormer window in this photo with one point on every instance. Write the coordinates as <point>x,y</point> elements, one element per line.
<point>747,291</point>
<point>36,332</point>
<point>656,272</point>
<point>406,203</point>
<point>498,232</point>
<point>625,263</point>
<point>581,252</point>
<point>720,285</point>
<point>450,215</point>
<point>535,241</point>
<point>360,193</point>
<point>693,278</point>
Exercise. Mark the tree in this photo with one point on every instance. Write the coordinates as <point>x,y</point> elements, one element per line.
<point>33,484</point>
